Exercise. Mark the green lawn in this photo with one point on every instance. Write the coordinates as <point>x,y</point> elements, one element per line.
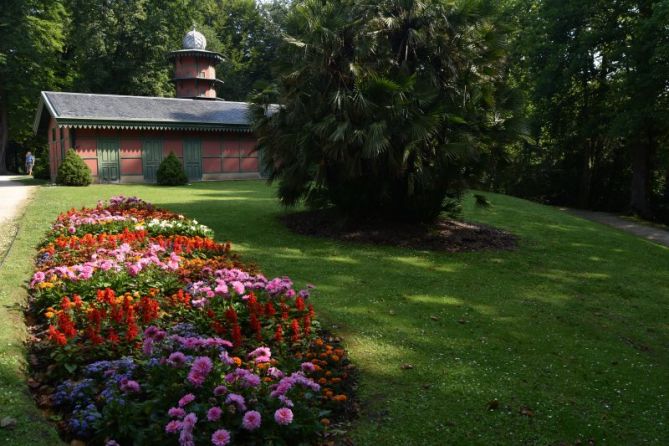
<point>570,333</point>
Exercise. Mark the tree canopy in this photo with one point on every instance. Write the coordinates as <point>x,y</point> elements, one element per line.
<point>394,105</point>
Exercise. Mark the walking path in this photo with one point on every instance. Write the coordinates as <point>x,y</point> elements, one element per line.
<point>13,196</point>
<point>657,235</point>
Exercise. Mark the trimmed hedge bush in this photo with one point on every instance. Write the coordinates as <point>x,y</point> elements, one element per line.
<point>171,172</point>
<point>73,171</point>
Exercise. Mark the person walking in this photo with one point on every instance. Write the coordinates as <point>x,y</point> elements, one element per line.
<point>30,162</point>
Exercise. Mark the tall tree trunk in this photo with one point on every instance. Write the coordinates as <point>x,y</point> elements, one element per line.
<point>585,183</point>
<point>641,176</point>
<point>4,132</point>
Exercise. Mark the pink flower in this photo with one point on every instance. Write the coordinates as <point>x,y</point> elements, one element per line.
<point>252,420</point>
<point>283,416</point>
<point>130,386</point>
<point>220,438</point>
<point>199,370</point>
<point>261,354</point>
<point>187,398</point>
<point>173,426</point>
<point>134,269</point>
<point>189,421</point>
<point>176,412</point>
<point>71,229</point>
<point>238,287</point>
<point>214,414</point>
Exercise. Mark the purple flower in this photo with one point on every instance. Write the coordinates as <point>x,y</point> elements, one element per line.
<point>199,370</point>
<point>225,358</point>
<point>252,420</point>
<point>112,443</point>
<point>220,438</point>
<point>147,346</point>
<point>220,390</point>
<point>308,367</point>
<point>251,380</point>
<point>173,426</point>
<point>176,412</point>
<point>176,359</point>
<point>214,414</point>
<point>237,400</point>
<point>189,421</point>
<point>283,416</point>
<point>187,398</point>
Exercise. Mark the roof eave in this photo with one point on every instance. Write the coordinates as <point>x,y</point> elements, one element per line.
<point>150,125</point>
<point>43,101</point>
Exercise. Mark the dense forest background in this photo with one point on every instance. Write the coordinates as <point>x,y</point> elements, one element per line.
<point>592,79</point>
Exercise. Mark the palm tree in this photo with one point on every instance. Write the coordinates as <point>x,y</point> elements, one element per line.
<point>382,106</point>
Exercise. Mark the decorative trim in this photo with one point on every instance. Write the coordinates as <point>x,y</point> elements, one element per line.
<point>147,125</point>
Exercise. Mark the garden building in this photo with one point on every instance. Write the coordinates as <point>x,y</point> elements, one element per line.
<point>124,138</point>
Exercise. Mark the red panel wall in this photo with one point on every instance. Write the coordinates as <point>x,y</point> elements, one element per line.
<point>230,165</point>
<point>211,165</point>
<point>249,164</point>
<point>221,152</point>
<point>131,166</point>
<point>173,143</point>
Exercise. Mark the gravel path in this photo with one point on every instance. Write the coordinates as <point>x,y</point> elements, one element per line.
<point>13,198</point>
<point>657,235</point>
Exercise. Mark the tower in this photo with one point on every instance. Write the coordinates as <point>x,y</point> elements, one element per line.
<point>194,68</point>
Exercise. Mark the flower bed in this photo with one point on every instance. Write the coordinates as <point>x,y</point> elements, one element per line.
<point>150,332</point>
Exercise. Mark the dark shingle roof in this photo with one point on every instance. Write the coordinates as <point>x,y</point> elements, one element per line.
<point>90,109</point>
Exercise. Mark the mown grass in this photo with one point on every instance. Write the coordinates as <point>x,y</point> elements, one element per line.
<point>569,333</point>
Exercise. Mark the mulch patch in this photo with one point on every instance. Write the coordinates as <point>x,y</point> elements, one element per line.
<point>445,235</point>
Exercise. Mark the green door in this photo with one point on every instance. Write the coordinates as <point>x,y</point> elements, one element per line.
<point>193,159</point>
<point>152,155</point>
<point>108,164</point>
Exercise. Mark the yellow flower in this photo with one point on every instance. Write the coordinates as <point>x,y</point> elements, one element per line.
<point>48,314</point>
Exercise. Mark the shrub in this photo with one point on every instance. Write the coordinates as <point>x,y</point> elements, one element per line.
<point>73,171</point>
<point>41,168</point>
<point>171,172</point>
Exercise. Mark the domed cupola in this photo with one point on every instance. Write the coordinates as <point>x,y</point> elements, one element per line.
<point>194,40</point>
<point>194,68</point>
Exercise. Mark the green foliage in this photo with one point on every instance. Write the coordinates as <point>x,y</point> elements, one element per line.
<point>595,74</point>
<point>383,106</point>
<point>73,171</point>
<point>41,168</point>
<point>32,39</point>
<point>171,172</point>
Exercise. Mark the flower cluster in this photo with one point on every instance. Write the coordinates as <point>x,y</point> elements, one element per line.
<point>156,333</point>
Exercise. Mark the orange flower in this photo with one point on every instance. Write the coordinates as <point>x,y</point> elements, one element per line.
<point>325,422</point>
<point>237,360</point>
<point>340,398</point>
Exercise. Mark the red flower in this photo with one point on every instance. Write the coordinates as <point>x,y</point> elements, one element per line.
<point>278,334</point>
<point>299,303</point>
<point>56,336</point>
<point>295,328</point>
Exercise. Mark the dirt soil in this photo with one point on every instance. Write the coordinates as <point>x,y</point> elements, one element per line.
<point>445,235</point>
